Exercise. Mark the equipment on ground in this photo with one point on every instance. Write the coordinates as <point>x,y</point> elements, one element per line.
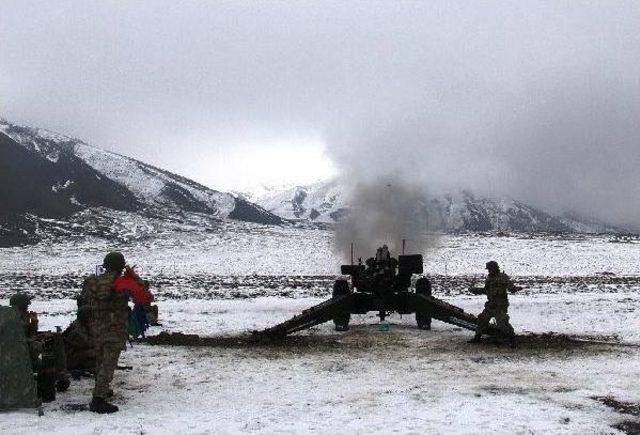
<point>18,385</point>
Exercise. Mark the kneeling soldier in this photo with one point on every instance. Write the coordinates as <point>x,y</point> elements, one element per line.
<point>495,287</point>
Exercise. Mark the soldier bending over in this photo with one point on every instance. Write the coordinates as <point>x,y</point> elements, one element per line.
<point>46,349</point>
<point>80,342</point>
<point>495,287</point>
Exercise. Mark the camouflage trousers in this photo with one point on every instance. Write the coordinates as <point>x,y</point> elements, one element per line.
<point>81,359</point>
<point>107,355</point>
<point>502,320</point>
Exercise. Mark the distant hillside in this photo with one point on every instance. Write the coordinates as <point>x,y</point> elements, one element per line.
<point>49,175</point>
<point>456,212</point>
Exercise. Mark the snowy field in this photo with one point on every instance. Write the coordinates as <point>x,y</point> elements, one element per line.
<point>361,381</point>
<point>248,260</point>
<point>246,249</point>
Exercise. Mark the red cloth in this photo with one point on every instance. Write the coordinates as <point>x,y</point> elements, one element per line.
<point>128,285</point>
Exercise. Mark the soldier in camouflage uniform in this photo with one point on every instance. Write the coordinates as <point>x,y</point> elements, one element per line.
<point>496,287</point>
<point>21,302</point>
<point>29,320</point>
<point>43,346</point>
<point>80,342</point>
<point>17,383</point>
<point>109,311</point>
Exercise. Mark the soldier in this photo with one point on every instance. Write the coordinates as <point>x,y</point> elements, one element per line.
<point>80,342</point>
<point>107,296</point>
<point>48,357</point>
<point>495,287</point>
<point>21,302</point>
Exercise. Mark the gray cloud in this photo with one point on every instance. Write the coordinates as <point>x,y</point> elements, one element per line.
<point>537,100</point>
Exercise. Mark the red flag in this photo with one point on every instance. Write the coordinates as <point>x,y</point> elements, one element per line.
<point>128,285</point>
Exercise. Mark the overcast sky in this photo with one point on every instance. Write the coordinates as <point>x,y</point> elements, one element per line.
<point>536,99</point>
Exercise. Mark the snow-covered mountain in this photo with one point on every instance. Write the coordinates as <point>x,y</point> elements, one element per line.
<point>323,201</point>
<point>460,211</point>
<point>48,175</point>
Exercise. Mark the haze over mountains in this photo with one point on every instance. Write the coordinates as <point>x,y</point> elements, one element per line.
<point>51,176</point>
<point>460,211</point>
<point>57,185</point>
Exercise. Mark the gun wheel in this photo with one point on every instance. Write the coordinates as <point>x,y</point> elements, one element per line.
<point>341,319</point>
<point>423,287</point>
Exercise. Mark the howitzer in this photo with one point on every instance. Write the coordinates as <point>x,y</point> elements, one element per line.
<point>382,284</point>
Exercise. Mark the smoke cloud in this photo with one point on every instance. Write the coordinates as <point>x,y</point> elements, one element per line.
<point>383,212</point>
<point>570,146</point>
<point>383,169</point>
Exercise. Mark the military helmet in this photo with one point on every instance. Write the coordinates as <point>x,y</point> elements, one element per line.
<point>492,265</point>
<point>114,262</point>
<point>20,300</point>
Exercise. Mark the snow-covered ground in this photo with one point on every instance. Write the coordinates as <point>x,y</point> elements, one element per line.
<point>361,381</point>
<point>245,249</point>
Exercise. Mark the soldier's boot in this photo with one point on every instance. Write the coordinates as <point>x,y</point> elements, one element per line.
<point>512,342</point>
<point>109,393</point>
<point>101,406</point>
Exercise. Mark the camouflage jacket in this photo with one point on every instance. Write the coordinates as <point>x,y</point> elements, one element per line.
<point>30,326</point>
<point>78,337</point>
<point>497,286</point>
<point>109,309</point>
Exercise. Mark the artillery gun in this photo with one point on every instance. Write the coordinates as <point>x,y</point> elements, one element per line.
<point>382,284</point>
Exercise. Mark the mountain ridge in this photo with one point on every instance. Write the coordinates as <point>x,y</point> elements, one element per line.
<point>460,211</point>
<point>72,185</point>
<point>66,175</point>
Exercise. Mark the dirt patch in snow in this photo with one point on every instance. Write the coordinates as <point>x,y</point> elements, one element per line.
<point>241,341</point>
<point>628,426</point>
<point>555,341</point>
<point>620,406</point>
<point>363,339</point>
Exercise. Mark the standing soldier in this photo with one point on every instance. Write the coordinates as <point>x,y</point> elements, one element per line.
<point>495,287</point>
<point>107,295</point>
